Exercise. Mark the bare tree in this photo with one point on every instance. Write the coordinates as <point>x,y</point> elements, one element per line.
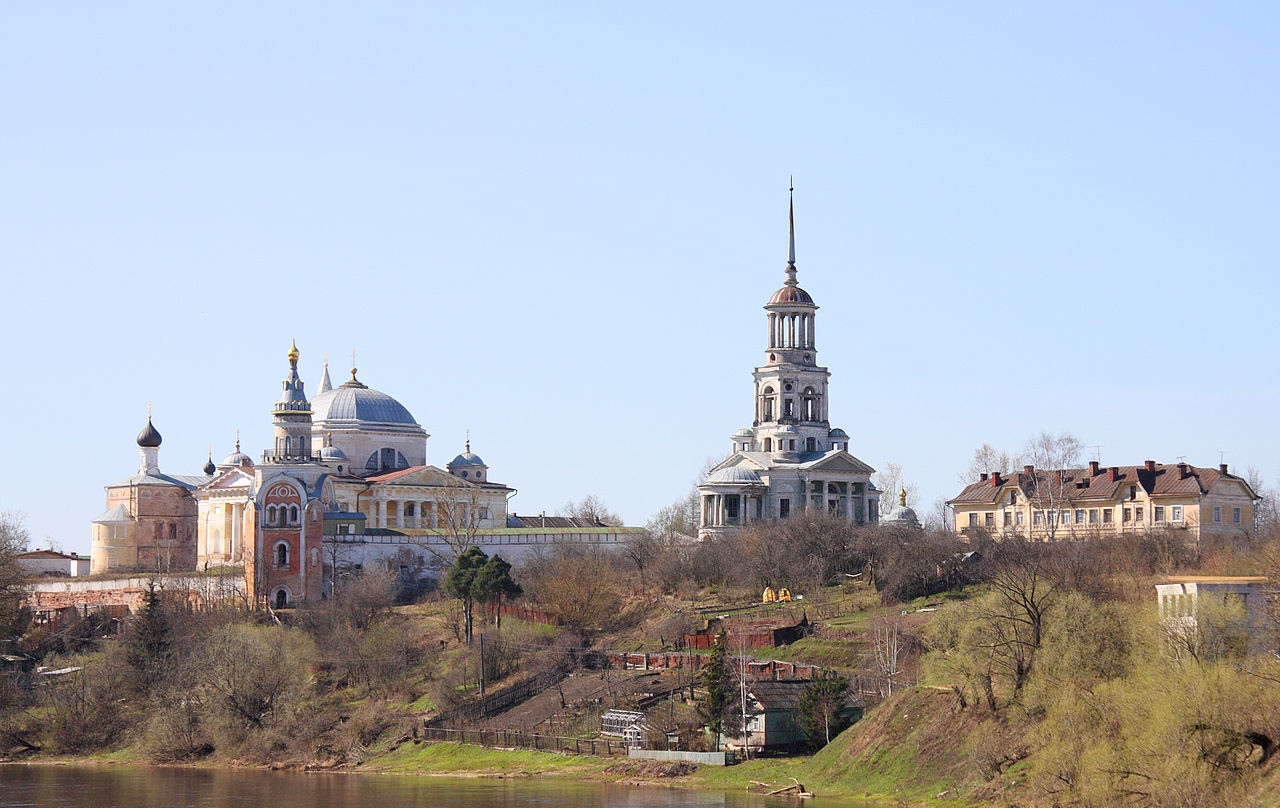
<point>988,459</point>
<point>13,542</point>
<point>888,644</point>
<point>891,481</point>
<point>458,519</point>
<point>591,508</point>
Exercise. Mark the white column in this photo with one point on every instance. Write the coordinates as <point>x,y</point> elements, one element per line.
<point>237,522</point>
<point>380,510</point>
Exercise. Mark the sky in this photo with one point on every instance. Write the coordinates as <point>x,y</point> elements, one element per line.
<point>555,225</point>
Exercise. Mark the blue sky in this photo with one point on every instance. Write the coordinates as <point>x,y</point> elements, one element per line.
<point>556,224</point>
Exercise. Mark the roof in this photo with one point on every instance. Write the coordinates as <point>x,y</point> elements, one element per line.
<point>117,514</point>
<point>791,294</point>
<point>187,481</point>
<point>516,521</point>
<point>806,460</point>
<point>149,437</point>
<point>354,403</point>
<point>48,554</point>
<point>1156,479</point>
<point>733,475</point>
<point>1217,579</point>
<point>779,695</point>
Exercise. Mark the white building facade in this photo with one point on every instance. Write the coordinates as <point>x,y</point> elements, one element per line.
<point>791,459</point>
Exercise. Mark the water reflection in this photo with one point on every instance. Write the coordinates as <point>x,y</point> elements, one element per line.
<point>111,787</point>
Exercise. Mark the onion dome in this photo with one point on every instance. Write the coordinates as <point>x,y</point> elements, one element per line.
<point>294,399</point>
<point>149,437</point>
<point>209,468</point>
<point>734,475</point>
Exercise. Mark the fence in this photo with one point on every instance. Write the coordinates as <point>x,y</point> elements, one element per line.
<point>498,700</point>
<point>515,739</point>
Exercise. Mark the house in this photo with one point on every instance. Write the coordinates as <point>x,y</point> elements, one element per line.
<point>52,563</point>
<point>1057,504</point>
<point>773,721</point>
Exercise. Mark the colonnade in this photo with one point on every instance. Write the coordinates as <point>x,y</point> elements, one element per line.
<point>791,330</point>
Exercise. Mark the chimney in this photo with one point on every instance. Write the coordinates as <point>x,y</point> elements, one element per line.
<point>1151,465</point>
<point>1114,473</point>
<point>1093,468</point>
<point>1184,471</point>
<point>1223,469</point>
<point>1029,469</point>
<point>1057,477</point>
<point>995,479</point>
<point>982,477</point>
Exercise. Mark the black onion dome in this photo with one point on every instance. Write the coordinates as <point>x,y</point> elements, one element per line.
<point>149,437</point>
<point>209,468</point>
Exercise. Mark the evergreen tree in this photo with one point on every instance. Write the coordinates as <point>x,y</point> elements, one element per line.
<point>718,681</point>
<point>460,581</point>
<point>493,582</point>
<point>150,640</point>
<point>822,706</point>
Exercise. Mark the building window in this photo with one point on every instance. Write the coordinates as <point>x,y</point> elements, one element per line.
<point>810,444</point>
<point>1106,516</point>
<point>282,555</point>
<point>768,444</point>
<point>1158,513</point>
<point>282,598</point>
<point>973,520</point>
<point>1093,516</point>
<point>1064,517</point>
<point>1235,515</point>
<point>1037,518</point>
<point>1133,492</point>
<point>293,514</point>
<point>1176,514</point>
<point>1137,514</point>
<point>484,513</point>
<point>793,444</point>
<point>1017,517</point>
<point>767,405</point>
<point>989,519</point>
<point>784,508</point>
<point>1217,513</point>
<point>788,407</point>
<point>1127,516</point>
<point>1080,516</point>
<point>1008,519</point>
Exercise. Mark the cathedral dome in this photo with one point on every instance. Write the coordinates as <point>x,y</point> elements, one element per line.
<point>838,433</point>
<point>236,459</point>
<point>332,453</point>
<point>149,437</point>
<point>734,475</point>
<point>790,294</point>
<point>467,459</point>
<point>356,404</point>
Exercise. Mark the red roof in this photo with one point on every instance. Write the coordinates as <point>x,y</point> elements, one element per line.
<point>1096,483</point>
<point>393,475</point>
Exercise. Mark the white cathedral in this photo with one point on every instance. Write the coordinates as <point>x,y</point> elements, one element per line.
<point>791,459</point>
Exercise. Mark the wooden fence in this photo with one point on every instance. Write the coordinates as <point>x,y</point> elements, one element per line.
<point>515,739</point>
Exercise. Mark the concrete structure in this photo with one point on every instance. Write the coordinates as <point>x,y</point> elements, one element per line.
<point>50,563</point>
<point>1080,503</point>
<point>1182,600</point>
<point>791,459</point>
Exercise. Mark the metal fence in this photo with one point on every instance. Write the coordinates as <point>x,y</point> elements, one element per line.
<point>515,739</point>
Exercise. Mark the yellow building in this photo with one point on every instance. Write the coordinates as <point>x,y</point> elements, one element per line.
<point>1081,503</point>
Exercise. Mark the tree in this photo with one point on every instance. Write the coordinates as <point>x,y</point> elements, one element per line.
<point>891,480</point>
<point>493,582</point>
<point>823,706</point>
<point>13,542</point>
<point>592,509</point>
<point>149,641</point>
<point>986,459</point>
<point>579,586</point>
<point>718,680</point>
<point>460,582</point>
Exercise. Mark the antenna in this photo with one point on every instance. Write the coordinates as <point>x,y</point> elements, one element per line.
<point>1222,457</point>
<point>1097,452</point>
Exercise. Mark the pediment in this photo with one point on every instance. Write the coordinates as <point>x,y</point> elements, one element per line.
<point>231,478</point>
<point>840,461</point>
<point>428,477</point>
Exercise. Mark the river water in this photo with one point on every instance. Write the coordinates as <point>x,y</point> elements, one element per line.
<point>127,787</point>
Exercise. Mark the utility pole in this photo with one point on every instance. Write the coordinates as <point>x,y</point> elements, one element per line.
<point>482,664</point>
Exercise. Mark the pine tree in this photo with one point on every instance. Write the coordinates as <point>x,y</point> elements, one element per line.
<point>822,704</point>
<point>150,640</point>
<point>493,582</point>
<point>458,583</point>
<point>718,682</point>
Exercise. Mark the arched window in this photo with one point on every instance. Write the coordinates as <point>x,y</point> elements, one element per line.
<point>288,445</point>
<point>810,412</point>
<point>271,514</point>
<point>282,554</point>
<point>293,514</point>
<point>766,404</point>
<point>409,509</point>
<point>768,444</point>
<point>282,598</point>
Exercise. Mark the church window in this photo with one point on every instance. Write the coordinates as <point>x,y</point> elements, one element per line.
<point>788,408</point>
<point>288,445</point>
<point>282,554</point>
<point>767,404</point>
<point>784,508</point>
<point>293,514</point>
<point>768,444</point>
<point>282,598</point>
<point>792,443</point>
<point>271,514</point>
<point>810,444</point>
<point>409,509</point>
<point>464,474</point>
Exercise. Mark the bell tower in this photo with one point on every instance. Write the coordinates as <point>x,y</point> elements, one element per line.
<point>291,418</point>
<point>790,387</point>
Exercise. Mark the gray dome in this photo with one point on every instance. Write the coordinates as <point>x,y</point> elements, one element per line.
<point>332,453</point>
<point>734,475</point>
<point>236,458</point>
<point>354,402</point>
<point>902,515</point>
<point>149,437</point>
<point>744,433</point>
<point>467,459</point>
<point>837,433</point>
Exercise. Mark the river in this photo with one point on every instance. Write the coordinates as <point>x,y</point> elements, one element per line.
<point>130,787</point>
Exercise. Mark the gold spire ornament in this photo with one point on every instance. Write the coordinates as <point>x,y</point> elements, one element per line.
<point>293,353</point>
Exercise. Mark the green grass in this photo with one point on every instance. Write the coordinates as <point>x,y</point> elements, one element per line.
<point>456,758</point>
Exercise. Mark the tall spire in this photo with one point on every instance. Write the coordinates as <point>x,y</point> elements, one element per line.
<point>325,384</point>
<point>791,234</point>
